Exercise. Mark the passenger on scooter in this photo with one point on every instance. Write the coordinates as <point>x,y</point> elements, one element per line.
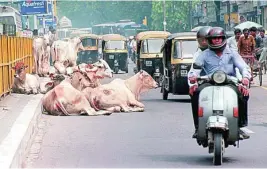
<point>220,57</point>
<point>203,45</point>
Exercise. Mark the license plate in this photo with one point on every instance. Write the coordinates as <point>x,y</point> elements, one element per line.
<point>183,72</point>
<point>148,63</point>
<point>111,56</point>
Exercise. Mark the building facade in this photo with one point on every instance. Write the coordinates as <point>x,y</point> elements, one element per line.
<point>216,13</point>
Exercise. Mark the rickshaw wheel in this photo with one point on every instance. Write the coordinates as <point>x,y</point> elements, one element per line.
<point>164,93</point>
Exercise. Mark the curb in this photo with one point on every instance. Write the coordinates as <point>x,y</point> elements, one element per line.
<point>14,147</point>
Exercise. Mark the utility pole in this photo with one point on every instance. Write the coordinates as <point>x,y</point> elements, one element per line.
<point>164,16</point>
<point>190,14</point>
<point>229,15</point>
<point>258,13</point>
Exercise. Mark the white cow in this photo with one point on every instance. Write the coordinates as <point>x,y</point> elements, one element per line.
<point>66,50</point>
<point>41,53</point>
<point>24,82</point>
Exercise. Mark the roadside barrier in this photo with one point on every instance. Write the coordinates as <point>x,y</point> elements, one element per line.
<point>13,50</point>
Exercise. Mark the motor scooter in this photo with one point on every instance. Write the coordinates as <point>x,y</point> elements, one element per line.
<point>218,114</point>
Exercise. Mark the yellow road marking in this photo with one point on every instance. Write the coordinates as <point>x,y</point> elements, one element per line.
<point>265,88</point>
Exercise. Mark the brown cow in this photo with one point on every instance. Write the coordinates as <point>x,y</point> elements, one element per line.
<point>64,99</point>
<point>121,94</point>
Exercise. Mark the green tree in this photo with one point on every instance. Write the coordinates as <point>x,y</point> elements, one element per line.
<point>88,13</point>
<point>177,15</point>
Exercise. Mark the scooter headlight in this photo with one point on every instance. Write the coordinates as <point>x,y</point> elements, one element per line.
<point>219,77</point>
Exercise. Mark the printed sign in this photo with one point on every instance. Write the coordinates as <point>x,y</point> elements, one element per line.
<point>33,7</point>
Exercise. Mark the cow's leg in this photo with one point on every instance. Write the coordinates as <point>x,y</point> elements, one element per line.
<point>35,90</point>
<point>137,109</point>
<point>36,57</point>
<point>92,112</point>
<point>28,91</point>
<point>125,108</point>
<point>134,102</point>
<point>114,109</point>
<point>103,112</point>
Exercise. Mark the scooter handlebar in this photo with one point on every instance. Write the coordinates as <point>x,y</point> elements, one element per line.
<point>229,79</point>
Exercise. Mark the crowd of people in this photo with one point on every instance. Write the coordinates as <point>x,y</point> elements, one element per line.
<point>250,43</point>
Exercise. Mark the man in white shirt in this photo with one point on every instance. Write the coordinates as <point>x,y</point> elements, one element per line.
<point>232,41</point>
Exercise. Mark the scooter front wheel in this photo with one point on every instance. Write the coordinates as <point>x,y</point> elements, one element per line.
<point>218,149</point>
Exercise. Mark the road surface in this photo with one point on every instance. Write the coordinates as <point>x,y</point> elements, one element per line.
<point>158,137</point>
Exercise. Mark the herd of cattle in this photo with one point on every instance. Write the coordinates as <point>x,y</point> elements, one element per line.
<point>75,89</point>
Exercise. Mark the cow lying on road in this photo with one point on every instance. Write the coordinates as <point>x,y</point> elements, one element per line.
<point>64,99</point>
<point>121,94</point>
<point>24,82</point>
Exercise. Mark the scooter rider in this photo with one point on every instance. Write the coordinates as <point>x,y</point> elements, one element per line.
<point>220,57</point>
<point>203,45</point>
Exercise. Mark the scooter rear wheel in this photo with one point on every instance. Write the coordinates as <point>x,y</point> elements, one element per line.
<point>218,149</point>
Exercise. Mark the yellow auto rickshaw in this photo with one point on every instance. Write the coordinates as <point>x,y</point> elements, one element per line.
<point>149,55</point>
<point>90,54</point>
<point>114,50</point>
<point>178,52</point>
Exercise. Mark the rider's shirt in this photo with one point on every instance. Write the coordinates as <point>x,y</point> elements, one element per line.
<point>246,45</point>
<point>227,63</point>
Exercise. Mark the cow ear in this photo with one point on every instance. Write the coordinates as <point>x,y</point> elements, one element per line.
<point>141,75</point>
<point>49,84</point>
<point>26,66</point>
<point>51,75</point>
<point>13,68</point>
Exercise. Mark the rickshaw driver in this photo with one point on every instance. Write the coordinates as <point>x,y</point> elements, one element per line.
<point>220,57</point>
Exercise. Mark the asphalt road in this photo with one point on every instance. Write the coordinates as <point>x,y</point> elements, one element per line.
<point>158,137</point>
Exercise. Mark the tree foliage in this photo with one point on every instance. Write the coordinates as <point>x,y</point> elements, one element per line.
<point>177,15</point>
<point>88,13</point>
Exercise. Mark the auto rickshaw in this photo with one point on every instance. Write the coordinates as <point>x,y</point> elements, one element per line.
<point>149,55</point>
<point>178,52</point>
<point>90,54</point>
<point>114,50</point>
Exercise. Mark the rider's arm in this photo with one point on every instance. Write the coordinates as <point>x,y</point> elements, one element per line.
<point>191,69</point>
<point>241,65</point>
<point>199,59</point>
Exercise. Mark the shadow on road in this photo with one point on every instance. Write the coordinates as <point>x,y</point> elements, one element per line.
<point>182,100</point>
<point>205,160</point>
